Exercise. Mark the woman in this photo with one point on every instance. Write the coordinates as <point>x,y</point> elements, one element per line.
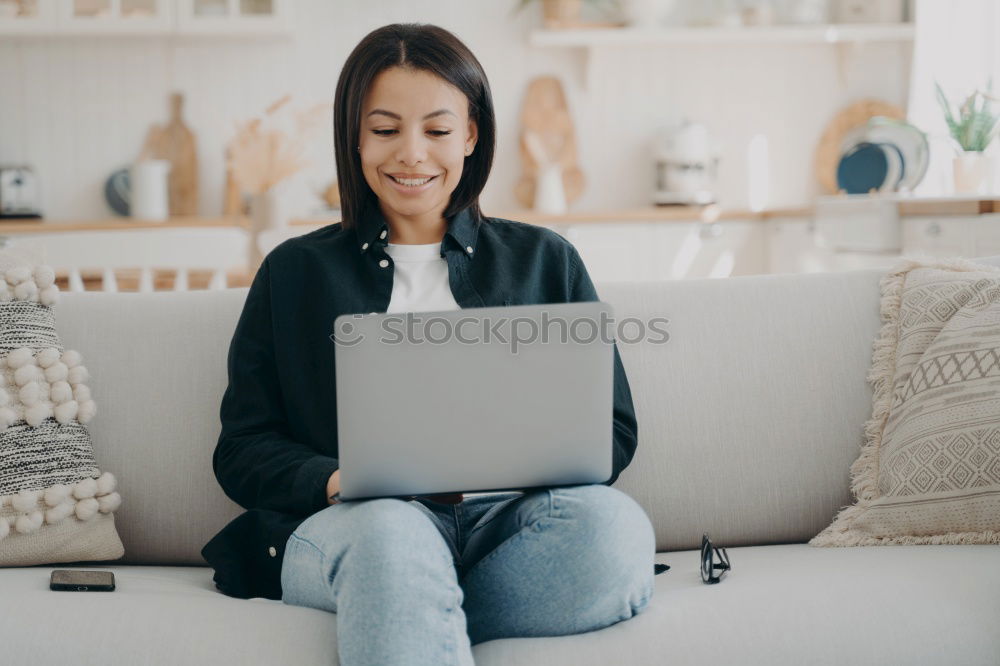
<point>417,581</point>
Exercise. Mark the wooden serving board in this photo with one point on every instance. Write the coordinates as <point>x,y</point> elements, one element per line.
<point>175,142</point>
<point>546,114</point>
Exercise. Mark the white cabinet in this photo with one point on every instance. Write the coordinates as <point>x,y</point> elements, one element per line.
<point>988,236</point>
<point>858,224</point>
<point>968,236</point>
<point>716,250</point>
<point>792,247</point>
<point>628,250</point>
<point>631,251</point>
<point>799,245</point>
<point>951,236</point>
<point>143,17</point>
<point>615,252</point>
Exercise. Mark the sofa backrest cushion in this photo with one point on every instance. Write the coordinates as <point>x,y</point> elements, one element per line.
<point>158,362</point>
<point>749,416</point>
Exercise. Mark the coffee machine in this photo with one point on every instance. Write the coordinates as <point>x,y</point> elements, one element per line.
<point>20,194</point>
<point>687,162</point>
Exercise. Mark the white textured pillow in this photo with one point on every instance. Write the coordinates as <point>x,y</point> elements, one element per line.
<point>56,505</point>
<point>929,470</point>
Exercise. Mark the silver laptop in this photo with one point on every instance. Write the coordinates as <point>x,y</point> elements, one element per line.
<point>474,400</point>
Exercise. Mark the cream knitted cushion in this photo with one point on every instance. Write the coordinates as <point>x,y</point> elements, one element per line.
<point>929,470</point>
<point>56,505</point>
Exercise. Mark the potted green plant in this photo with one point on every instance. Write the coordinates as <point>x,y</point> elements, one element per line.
<point>972,129</point>
<point>563,13</point>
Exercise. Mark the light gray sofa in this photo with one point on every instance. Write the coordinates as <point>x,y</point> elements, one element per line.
<point>749,419</point>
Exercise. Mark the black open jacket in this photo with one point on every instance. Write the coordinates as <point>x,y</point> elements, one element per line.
<point>278,445</point>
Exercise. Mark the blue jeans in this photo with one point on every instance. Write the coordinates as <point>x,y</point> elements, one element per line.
<point>419,582</point>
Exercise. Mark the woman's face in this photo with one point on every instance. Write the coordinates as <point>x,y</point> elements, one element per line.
<point>414,125</point>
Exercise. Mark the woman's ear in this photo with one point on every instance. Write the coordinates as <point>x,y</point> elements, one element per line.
<point>470,143</point>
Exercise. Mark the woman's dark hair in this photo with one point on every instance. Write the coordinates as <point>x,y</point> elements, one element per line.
<point>420,47</point>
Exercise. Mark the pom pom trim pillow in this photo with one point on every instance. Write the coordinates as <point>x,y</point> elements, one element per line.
<point>929,470</point>
<point>55,504</point>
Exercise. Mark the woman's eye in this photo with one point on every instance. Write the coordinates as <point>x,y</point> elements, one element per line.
<point>388,132</point>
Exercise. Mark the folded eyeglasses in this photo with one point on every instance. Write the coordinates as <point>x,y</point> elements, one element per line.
<point>708,564</point>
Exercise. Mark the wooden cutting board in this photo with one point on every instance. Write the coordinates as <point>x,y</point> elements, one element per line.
<point>175,142</point>
<point>545,114</point>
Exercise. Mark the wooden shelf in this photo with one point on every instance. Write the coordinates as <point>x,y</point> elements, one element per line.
<point>708,213</point>
<point>45,226</point>
<point>681,214</point>
<point>908,206</point>
<point>841,35</point>
<point>828,33</point>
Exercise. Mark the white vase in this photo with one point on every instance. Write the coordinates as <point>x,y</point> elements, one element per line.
<point>550,196</point>
<point>973,172</point>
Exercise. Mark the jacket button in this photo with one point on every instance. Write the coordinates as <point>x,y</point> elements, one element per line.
<point>382,235</point>
<point>468,248</point>
<point>272,552</point>
<point>383,263</point>
<point>365,246</point>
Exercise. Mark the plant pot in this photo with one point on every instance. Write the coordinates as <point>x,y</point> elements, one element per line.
<point>560,13</point>
<point>973,172</point>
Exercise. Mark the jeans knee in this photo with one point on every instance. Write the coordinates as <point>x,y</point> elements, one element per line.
<point>609,512</point>
<point>615,536</point>
<point>395,528</point>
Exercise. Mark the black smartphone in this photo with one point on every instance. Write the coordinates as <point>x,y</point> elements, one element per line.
<point>82,580</point>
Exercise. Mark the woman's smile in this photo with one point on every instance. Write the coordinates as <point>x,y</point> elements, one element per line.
<point>411,186</point>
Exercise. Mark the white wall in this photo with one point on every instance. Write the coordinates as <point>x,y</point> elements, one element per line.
<point>78,108</point>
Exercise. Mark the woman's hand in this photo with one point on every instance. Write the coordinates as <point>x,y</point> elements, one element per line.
<point>333,487</point>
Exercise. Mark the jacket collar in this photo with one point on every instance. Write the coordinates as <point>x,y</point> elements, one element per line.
<point>463,229</point>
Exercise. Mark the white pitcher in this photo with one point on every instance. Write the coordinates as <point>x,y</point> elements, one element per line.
<point>149,198</point>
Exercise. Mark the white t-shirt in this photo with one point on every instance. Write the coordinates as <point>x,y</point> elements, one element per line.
<point>420,279</point>
<point>420,284</point>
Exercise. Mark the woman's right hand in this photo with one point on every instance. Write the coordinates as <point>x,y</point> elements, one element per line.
<point>333,487</point>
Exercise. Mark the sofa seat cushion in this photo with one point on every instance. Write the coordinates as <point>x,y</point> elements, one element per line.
<point>786,604</point>
<point>156,615</point>
<point>798,604</point>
